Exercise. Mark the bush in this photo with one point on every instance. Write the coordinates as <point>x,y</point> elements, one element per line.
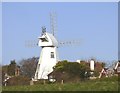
<point>18,80</point>
<point>70,71</point>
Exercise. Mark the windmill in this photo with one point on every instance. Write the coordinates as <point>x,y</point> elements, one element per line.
<point>49,55</point>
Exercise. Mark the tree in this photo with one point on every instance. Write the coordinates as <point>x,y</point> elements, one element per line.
<point>28,66</point>
<point>103,65</point>
<point>11,68</point>
<point>70,71</point>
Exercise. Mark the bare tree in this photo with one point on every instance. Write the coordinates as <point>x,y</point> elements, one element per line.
<point>28,66</point>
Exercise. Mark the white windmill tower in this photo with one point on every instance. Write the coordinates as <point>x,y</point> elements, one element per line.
<point>49,56</point>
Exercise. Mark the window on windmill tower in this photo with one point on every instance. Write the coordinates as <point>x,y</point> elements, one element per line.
<point>52,54</point>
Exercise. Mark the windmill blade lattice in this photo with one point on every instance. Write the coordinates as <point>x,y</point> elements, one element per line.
<point>53,22</point>
<point>69,43</point>
<point>31,43</point>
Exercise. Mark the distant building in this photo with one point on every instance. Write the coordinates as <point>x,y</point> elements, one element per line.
<point>117,68</point>
<point>93,64</point>
<point>78,61</point>
<point>17,71</point>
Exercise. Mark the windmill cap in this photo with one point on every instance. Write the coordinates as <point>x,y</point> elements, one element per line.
<point>51,40</point>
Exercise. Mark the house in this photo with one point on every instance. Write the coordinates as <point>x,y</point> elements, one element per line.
<point>117,68</point>
<point>94,65</point>
<point>17,70</point>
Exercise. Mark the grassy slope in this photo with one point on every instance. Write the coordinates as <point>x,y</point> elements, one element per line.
<point>106,84</point>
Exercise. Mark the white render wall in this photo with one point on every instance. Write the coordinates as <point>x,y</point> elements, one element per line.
<point>46,63</point>
<point>92,63</point>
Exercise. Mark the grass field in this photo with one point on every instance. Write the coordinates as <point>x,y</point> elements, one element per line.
<point>105,84</point>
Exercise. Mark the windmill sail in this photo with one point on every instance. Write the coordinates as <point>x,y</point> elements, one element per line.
<point>53,23</point>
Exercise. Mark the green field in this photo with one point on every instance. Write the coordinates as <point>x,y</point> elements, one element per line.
<point>105,84</point>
